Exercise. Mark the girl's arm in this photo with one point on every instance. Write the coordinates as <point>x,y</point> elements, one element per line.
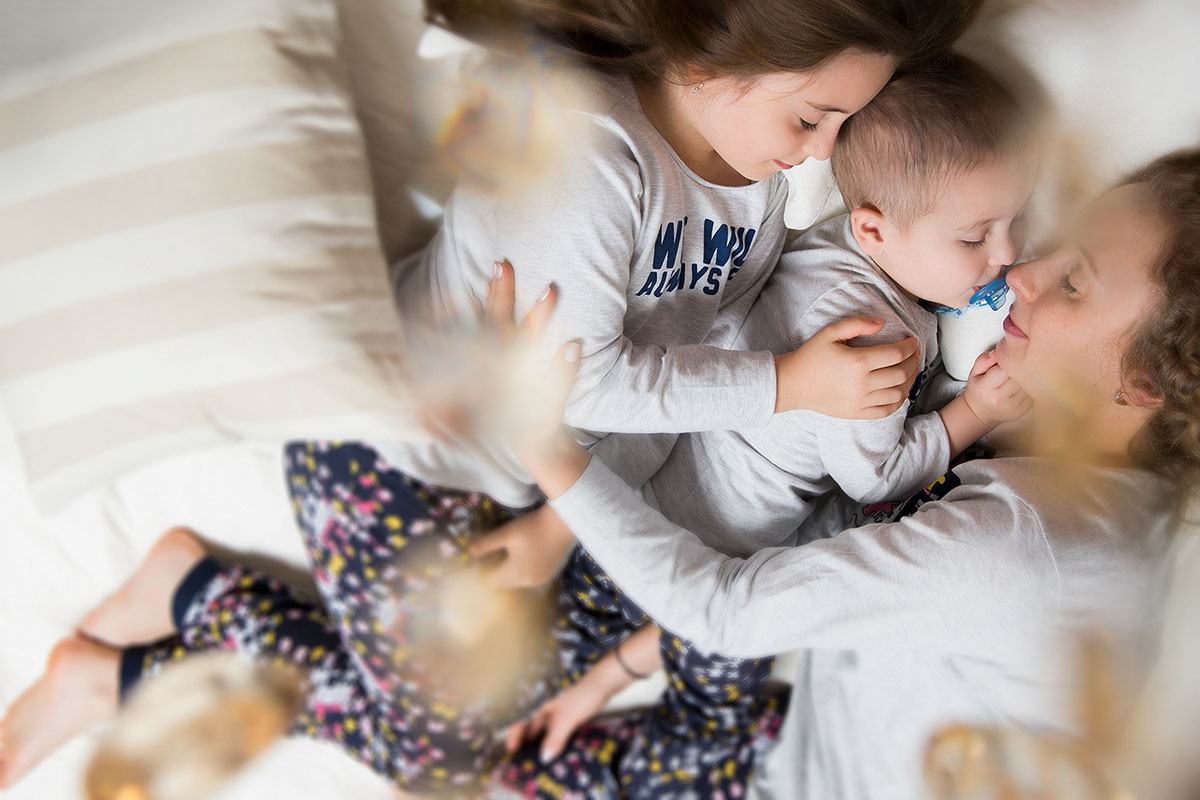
<point>579,234</point>
<point>558,717</point>
<point>967,575</point>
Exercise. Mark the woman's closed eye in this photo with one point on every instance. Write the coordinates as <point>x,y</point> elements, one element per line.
<point>806,125</point>
<point>972,242</point>
<point>1067,286</point>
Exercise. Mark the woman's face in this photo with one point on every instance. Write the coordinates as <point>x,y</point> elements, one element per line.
<point>1066,330</point>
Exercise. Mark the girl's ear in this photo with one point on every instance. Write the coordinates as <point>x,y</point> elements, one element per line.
<point>867,224</point>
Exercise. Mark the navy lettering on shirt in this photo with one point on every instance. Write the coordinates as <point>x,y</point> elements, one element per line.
<point>725,250</point>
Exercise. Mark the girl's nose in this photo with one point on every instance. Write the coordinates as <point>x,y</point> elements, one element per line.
<point>819,145</point>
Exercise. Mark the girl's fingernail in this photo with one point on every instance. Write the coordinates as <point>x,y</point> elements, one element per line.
<point>497,269</point>
<point>545,756</point>
<point>571,352</point>
<point>546,293</point>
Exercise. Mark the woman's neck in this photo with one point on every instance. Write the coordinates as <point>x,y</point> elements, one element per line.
<point>1100,435</point>
<point>664,104</point>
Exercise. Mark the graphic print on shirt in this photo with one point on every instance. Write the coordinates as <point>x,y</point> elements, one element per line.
<point>725,250</point>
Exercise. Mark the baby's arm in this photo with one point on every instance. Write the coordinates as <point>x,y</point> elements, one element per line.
<point>991,398</point>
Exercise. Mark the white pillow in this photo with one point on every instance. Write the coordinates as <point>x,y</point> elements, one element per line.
<point>188,251</point>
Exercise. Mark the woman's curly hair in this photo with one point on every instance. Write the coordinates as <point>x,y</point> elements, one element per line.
<point>1163,355</point>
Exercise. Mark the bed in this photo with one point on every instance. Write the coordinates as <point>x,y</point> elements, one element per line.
<point>154,425</point>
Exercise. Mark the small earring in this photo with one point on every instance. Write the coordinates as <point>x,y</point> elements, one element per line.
<point>697,87</point>
<point>1120,399</point>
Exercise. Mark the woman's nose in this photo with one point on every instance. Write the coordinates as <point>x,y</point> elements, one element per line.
<point>1021,280</point>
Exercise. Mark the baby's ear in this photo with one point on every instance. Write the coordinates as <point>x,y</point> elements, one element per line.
<point>867,224</point>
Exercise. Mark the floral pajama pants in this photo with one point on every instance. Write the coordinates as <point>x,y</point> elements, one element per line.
<point>375,538</point>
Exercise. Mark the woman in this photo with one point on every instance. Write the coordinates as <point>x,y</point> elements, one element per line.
<point>960,608</point>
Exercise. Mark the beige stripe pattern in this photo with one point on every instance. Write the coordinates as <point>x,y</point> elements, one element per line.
<point>321,284</point>
<point>235,60</point>
<point>291,404</point>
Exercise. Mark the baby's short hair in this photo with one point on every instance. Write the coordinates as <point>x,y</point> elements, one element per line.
<point>924,128</point>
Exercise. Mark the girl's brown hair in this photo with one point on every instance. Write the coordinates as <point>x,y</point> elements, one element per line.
<point>648,39</point>
<point>1163,356</point>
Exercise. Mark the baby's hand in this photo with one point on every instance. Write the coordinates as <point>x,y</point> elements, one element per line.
<point>831,377</point>
<point>992,395</point>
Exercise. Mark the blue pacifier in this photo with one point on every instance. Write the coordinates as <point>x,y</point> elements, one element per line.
<point>992,295</point>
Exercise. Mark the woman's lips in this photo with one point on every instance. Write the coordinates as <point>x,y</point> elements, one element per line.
<point>783,164</point>
<point>1011,328</point>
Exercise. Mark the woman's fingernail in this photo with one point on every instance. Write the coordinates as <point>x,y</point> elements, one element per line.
<point>571,352</point>
<point>497,269</point>
<point>546,293</point>
<point>545,756</point>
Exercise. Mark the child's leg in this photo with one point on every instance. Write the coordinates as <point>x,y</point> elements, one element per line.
<point>140,610</point>
<point>708,730</point>
<point>702,739</point>
<point>77,691</point>
<point>376,539</point>
<point>594,616</point>
<point>232,609</point>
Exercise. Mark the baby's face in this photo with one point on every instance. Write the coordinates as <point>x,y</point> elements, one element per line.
<point>975,231</point>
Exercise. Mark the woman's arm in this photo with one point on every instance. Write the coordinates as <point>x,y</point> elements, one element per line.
<point>964,576</point>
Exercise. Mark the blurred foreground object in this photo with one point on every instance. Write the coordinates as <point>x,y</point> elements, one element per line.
<point>500,119</point>
<point>966,762</point>
<point>1132,743</point>
<point>475,647</point>
<point>187,731</point>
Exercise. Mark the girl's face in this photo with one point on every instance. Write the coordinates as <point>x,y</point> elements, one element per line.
<point>783,118</point>
<point>1066,330</point>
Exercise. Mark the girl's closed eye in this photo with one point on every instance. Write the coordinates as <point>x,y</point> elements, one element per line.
<point>806,125</point>
<point>972,242</point>
<point>1067,286</point>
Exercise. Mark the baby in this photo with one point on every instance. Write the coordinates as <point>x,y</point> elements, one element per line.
<point>937,170</point>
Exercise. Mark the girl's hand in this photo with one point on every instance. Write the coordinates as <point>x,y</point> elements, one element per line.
<point>831,377</point>
<point>534,547</point>
<point>557,718</point>
<point>533,393</point>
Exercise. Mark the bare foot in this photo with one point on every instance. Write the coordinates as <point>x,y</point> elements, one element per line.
<point>78,690</point>
<point>140,611</point>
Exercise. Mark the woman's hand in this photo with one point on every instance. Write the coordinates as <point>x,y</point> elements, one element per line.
<point>831,377</point>
<point>534,547</point>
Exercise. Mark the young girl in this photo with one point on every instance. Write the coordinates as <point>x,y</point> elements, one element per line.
<point>665,218</point>
<point>671,218</point>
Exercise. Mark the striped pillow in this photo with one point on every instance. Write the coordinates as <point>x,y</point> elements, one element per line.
<point>188,252</point>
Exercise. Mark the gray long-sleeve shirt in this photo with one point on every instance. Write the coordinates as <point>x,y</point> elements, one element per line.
<point>655,268</point>
<point>959,612</point>
<point>742,490</point>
